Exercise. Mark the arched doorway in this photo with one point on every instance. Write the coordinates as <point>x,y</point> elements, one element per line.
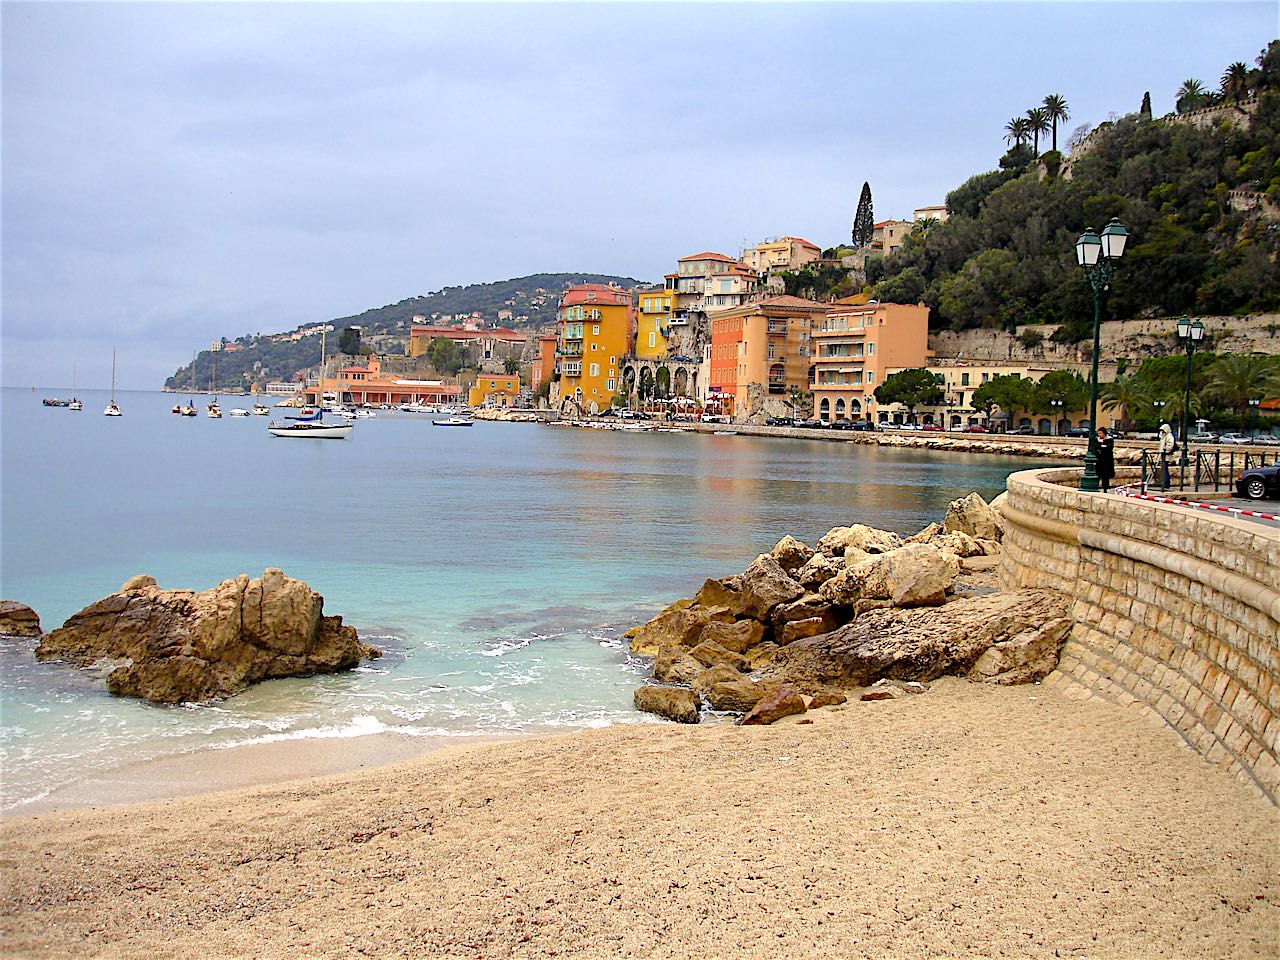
<point>1044,427</point>
<point>646,383</point>
<point>681,382</point>
<point>824,409</point>
<point>839,408</point>
<point>662,382</point>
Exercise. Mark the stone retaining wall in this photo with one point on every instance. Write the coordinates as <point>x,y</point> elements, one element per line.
<point>1177,613</point>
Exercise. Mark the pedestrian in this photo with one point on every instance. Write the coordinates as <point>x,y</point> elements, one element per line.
<point>1106,465</point>
<point>1165,446</point>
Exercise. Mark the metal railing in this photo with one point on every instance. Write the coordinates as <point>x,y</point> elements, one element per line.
<point>1205,469</point>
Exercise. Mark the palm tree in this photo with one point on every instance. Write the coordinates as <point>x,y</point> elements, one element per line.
<point>1037,123</point>
<point>1127,393</point>
<point>1016,131</point>
<point>1237,378</point>
<point>1235,82</point>
<point>1055,108</point>
<point>1191,96</point>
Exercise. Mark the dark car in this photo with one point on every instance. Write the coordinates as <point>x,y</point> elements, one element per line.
<point>864,425</point>
<point>814,424</point>
<point>1077,432</point>
<point>842,424</point>
<point>779,422</point>
<point>608,412</point>
<point>1259,482</point>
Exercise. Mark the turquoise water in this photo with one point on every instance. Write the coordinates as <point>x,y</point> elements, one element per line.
<point>496,565</point>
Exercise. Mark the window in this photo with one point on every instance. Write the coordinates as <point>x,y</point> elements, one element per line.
<point>611,384</point>
<point>595,329</point>
<point>595,370</point>
<point>964,379</point>
<point>871,349</point>
<point>986,377</point>
<point>653,339</point>
<point>869,377</point>
<point>595,346</point>
<point>613,361</point>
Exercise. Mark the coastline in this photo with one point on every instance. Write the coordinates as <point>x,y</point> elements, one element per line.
<point>1006,821</point>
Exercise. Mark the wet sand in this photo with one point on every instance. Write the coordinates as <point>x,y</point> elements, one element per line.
<point>971,820</point>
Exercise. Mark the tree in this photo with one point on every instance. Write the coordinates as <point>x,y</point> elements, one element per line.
<point>349,341</point>
<point>911,388</point>
<point>1127,393</point>
<point>1009,394</point>
<point>1237,378</point>
<point>1144,111</point>
<point>1016,131</point>
<point>511,365</point>
<point>1064,385</point>
<point>1055,108</point>
<point>864,220</point>
<point>444,356</point>
<point>1191,96</point>
<point>1037,123</point>
<point>1235,82</point>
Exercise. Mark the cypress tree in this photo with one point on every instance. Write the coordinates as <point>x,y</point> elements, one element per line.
<point>864,220</point>
<point>1144,112</point>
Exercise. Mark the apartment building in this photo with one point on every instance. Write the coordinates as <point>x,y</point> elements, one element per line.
<point>785,253</point>
<point>654,308</point>
<point>596,331</point>
<point>854,348</point>
<point>888,235</point>
<point>758,350</point>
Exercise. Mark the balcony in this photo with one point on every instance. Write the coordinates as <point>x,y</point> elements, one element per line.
<point>575,351</point>
<point>777,326</point>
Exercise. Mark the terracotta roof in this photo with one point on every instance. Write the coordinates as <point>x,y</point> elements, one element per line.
<point>804,243</point>
<point>596,293</point>
<point>462,333</point>
<point>708,255</point>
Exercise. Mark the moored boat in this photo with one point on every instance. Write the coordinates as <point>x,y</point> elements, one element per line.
<point>261,410</point>
<point>240,412</point>
<point>316,429</point>
<point>113,410</point>
<point>453,422</point>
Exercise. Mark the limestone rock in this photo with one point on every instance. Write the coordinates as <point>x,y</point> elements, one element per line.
<point>972,515</point>
<point>799,629</point>
<point>765,585</point>
<point>961,544</point>
<point>782,701</point>
<point>679,627</point>
<point>791,554</point>
<point>1025,626</point>
<point>738,695</point>
<point>18,620</point>
<point>739,637</point>
<point>805,608</point>
<point>858,539</point>
<point>717,594</point>
<point>997,507</point>
<point>915,575</point>
<point>720,673</point>
<point>761,656</point>
<point>925,535</point>
<point>709,654</point>
<point>819,570</point>
<point>826,698</point>
<point>671,703</point>
<point>176,646</point>
<point>674,665</point>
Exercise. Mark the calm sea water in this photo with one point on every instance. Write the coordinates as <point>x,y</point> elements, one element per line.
<point>496,565</point>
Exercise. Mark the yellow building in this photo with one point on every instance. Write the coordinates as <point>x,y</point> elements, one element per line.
<point>596,323</point>
<point>494,390</point>
<point>653,323</point>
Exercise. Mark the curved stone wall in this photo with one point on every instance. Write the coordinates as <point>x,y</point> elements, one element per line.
<point>1177,612</point>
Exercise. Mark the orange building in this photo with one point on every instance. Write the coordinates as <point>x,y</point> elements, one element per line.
<point>494,390</point>
<point>597,325</point>
<point>764,345</point>
<point>490,343</point>
<point>368,385</point>
<point>855,346</point>
<point>545,366</point>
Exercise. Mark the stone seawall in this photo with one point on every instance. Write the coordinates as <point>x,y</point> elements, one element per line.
<point>1176,613</point>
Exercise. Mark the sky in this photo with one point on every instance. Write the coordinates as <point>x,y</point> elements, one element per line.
<point>173,173</point>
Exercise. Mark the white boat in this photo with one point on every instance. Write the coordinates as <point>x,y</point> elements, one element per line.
<point>113,410</point>
<point>417,408</point>
<point>261,410</point>
<point>74,404</point>
<point>213,410</point>
<point>724,433</point>
<point>240,412</point>
<point>189,410</point>
<point>316,429</point>
<point>453,422</point>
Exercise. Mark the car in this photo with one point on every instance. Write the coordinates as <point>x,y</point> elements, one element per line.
<point>1264,441</point>
<point>842,424</point>
<point>908,426</point>
<point>1204,438</point>
<point>866,425</point>
<point>609,412</point>
<point>1234,438</point>
<point>635,415</point>
<point>814,424</point>
<point>1026,430</point>
<point>1259,482</point>
<point>1077,432</point>
<point>780,421</point>
<point>715,418</point>
<point>976,428</point>
<point>932,428</point>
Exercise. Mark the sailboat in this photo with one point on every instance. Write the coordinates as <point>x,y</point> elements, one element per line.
<point>189,408</point>
<point>75,404</point>
<point>214,410</point>
<point>113,410</point>
<point>313,426</point>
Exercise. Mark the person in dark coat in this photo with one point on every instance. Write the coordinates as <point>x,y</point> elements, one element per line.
<point>1106,465</point>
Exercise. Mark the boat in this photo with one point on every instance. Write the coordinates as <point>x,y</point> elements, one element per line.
<point>453,422</point>
<point>176,408</point>
<point>261,410</point>
<point>75,403</point>
<point>213,409</point>
<point>113,409</point>
<point>54,402</point>
<point>312,425</point>
<point>240,412</point>
<point>724,433</point>
<point>303,413</point>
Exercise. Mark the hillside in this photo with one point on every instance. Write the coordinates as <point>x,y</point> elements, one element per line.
<point>1198,190</point>
<point>252,359</point>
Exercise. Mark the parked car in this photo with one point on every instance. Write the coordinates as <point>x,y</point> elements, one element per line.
<point>780,421</point>
<point>715,418</point>
<point>932,428</point>
<point>1233,438</point>
<point>866,425</point>
<point>1026,430</point>
<point>608,412</point>
<point>635,415</point>
<point>1077,432</point>
<point>1204,438</point>
<point>976,428</point>
<point>1265,441</point>
<point>842,424</point>
<point>1259,482</point>
<point>814,424</point>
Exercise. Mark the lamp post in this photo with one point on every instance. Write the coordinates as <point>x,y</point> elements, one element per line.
<point>1057,415</point>
<point>1190,332</point>
<point>1097,256</point>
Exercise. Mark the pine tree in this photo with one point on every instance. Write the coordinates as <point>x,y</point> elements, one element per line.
<point>864,220</point>
<point>1144,112</point>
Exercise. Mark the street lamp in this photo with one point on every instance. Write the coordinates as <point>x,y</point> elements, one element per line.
<point>1057,415</point>
<point>1097,256</point>
<point>1190,332</point>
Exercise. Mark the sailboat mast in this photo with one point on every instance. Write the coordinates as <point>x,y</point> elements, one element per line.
<point>113,375</point>
<point>320,385</point>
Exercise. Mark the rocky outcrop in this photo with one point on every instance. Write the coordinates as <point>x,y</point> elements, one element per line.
<point>671,703</point>
<point>1024,628</point>
<point>177,646</point>
<point>857,539</point>
<point>791,554</point>
<point>765,585</point>
<point>917,574</point>
<point>781,701</point>
<point>973,516</point>
<point>18,620</point>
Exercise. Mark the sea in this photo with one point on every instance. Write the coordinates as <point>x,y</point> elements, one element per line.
<point>497,566</point>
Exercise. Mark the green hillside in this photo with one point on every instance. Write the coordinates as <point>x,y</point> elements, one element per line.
<point>1198,192</point>
<point>532,301</point>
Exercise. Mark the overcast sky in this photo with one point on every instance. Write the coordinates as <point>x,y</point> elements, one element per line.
<point>173,173</point>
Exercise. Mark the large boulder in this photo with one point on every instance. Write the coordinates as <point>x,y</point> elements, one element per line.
<point>917,574</point>
<point>972,515</point>
<point>1025,628</point>
<point>738,695</point>
<point>674,627</point>
<point>857,540</point>
<point>805,608</point>
<point>997,507</point>
<point>818,570</point>
<point>18,620</point>
<point>709,677</point>
<point>791,554</point>
<point>799,629</point>
<point>672,703</point>
<point>710,654</point>
<point>674,665</point>
<point>784,700</point>
<point>719,595</point>
<point>765,585</point>
<point>738,637</point>
<point>176,646</point>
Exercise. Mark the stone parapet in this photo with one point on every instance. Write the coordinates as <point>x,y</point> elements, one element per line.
<point>1176,613</point>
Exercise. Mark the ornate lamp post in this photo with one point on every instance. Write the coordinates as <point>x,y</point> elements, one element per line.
<point>1057,415</point>
<point>1190,333</point>
<point>1097,255</point>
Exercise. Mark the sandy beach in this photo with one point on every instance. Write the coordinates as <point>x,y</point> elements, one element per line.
<point>971,820</point>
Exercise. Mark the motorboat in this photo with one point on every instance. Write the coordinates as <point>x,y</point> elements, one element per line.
<point>53,402</point>
<point>75,405</point>
<point>261,410</point>
<point>213,410</point>
<point>302,413</point>
<point>189,410</point>
<point>240,412</point>
<point>453,422</point>
<point>177,408</point>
